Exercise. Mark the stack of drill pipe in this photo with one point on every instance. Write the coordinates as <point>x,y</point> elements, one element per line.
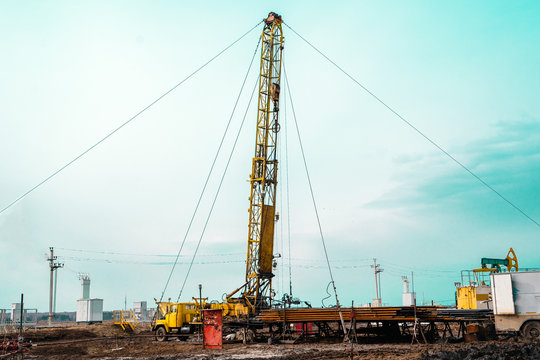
<point>466,314</point>
<point>423,313</point>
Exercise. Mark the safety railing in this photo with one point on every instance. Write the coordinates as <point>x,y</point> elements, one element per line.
<point>125,319</point>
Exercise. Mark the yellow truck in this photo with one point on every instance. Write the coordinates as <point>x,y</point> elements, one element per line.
<point>175,319</point>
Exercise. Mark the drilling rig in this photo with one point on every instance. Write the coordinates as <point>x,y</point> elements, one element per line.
<point>256,293</point>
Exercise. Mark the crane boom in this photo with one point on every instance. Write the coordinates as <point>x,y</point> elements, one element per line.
<point>257,290</point>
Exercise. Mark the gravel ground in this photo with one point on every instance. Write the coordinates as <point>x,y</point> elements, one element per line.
<point>104,341</point>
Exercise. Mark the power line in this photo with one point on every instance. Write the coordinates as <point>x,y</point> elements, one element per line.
<point>417,130</point>
<point>409,268</point>
<point>136,254</point>
<point>156,263</point>
<point>218,190</point>
<point>299,263</point>
<point>211,170</point>
<point>221,254</point>
<point>296,265</point>
<point>126,122</point>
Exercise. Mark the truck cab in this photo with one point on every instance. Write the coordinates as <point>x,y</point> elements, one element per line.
<point>176,318</point>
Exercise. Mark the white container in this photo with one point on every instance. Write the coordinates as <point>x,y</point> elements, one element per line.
<point>140,310</point>
<point>15,312</point>
<point>516,299</point>
<point>408,298</point>
<point>139,306</point>
<point>89,310</point>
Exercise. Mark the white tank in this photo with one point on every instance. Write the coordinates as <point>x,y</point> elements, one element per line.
<point>408,298</point>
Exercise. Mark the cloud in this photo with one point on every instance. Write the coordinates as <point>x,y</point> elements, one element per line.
<point>507,161</point>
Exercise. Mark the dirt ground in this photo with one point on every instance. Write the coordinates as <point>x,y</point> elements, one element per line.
<point>104,341</point>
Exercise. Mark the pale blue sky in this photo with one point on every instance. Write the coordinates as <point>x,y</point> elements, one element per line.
<point>466,73</point>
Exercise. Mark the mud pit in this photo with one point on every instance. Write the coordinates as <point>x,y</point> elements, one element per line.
<point>104,341</point>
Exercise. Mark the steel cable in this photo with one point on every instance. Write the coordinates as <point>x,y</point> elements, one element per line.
<point>127,122</point>
<point>281,244</point>
<point>313,196</point>
<point>416,129</point>
<point>218,190</point>
<point>286,143</point>
<point>210,172</point>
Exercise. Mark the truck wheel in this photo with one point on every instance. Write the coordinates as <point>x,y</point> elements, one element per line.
<point>532,330</point>
<point>161,334</point>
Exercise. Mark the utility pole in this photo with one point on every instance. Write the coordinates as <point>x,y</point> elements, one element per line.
<point>412,283</point>
<point>21,317</point>
<point>200,314</point>
<point>20,339</point>
<point>53,266</point>
<point>377,272</point>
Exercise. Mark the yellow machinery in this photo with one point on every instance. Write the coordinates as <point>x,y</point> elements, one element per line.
<point>475,294</point>
<point>494,265</point>
<point>184,318</point>
<point>125,319</point>
<point>180,318</point>
<point>256,293</point>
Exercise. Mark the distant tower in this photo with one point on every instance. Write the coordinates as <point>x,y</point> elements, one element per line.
<point>85,282</point>
<point>409,298</point>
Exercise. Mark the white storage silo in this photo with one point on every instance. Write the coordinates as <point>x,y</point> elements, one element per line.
<point>408,298</point>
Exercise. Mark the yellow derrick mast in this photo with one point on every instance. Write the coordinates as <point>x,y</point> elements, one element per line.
<point>256,293</point>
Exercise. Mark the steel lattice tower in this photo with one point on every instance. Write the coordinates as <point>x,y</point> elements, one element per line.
<point>257,291</point>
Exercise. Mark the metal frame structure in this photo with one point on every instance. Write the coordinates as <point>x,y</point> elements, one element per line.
<point>126,319</point>
<point>257,290</point>
<point>6,325</point>
<point>424,323</point>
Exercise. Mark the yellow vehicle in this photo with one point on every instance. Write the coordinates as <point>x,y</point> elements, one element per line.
<point>175,319</point>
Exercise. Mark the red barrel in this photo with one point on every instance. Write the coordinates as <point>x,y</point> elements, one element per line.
<point>213,329</point>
